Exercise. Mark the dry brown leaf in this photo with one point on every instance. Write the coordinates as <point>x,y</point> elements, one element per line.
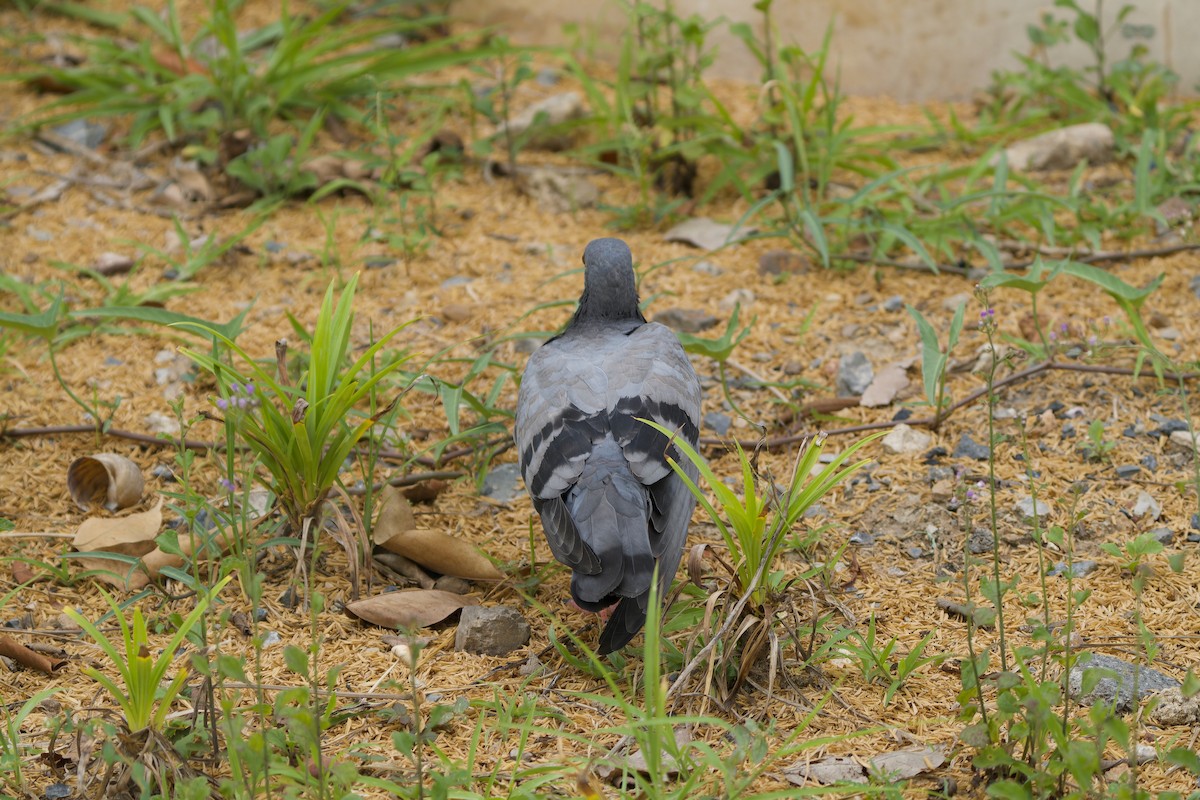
<point>107,479</point>
<point>899,765</point>
<point>395,531</point>
<point>408,608</point>
<point>131,535</point>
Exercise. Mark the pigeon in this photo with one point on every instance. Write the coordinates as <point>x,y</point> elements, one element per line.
<point>610,504</point>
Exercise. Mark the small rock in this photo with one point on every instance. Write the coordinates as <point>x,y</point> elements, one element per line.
<point>779,262</point>
<point>500,484</point>
<point>905,440</point>
<point>83,132</point>
<point>1169,333</point>
<point>1194,283</point>
<point>1063,148</point>
<point>548,76</point>
<point>455,280</point>
<point>1175,709</point>
<point>969,448</point>
<point>110,264</point>
<point>1175,212</point>
<point>162,472</point>
<point>532,666</point>
<point>456,312</point>
<point>37,234</point>
<point>558,191</point>
<point>1127,471</point>
<point>981,540</point>
<point>1185,439</point>
<point>688,320</point>
<point>706,268</point>
<point>1077,569</point>
<point>159,423</point>
<point>491,630</point>
<point>1163,536</point>
<point>717,422</point>
<point>914,552</point>
<point>553,110</point>
<point>815,511</point>
<point>940,473</point>
<point>862,539</point>
<point>1146,507</point>
<point>1117,690</point>
<point>1025,508</point>
<point>894,303</point>
<point>379,262</point>
<point>738,297</point>
<point>854,374</point>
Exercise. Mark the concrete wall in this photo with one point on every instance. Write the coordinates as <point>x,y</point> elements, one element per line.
<point>907,49</point>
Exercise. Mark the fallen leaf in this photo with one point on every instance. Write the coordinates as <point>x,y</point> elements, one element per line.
<point>11,648</point>
<point>395,531</point>
<point>702,232</point>
<point>408,608</point>
<point>107,479</point>
<point>902,764</point>
<point>131,535</point>
<point>888,382</point>
<point>636,761</point>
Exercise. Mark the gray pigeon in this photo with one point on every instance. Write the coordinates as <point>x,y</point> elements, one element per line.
<point>610,504</point>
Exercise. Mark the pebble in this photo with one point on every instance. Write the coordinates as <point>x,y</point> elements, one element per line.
<point>914,552</point>
<point>1163,536</point>
<point>953,302</point>
<point>717,422</point>
<point>738,297</point>
<point>1063,148</point>
<point>491,630</point>
<point>981,540</point>
<point>1195,284</point>
<point>1184,439</point>
<point>862,539</point>
<point>456,312</point>
<point>83,132</point>
<point>1077,569</point>
<point>1117,689</point>
<point>1146,507</point>
<point>893,304</point>
<point>688,320</point>
<point>905,440</point>
<point>779,262</point>
<point>500,484</point>
<point>969,448</point>
<point>706,268</point>
<point>854,374</point>
<point>1025,508</point>
<point>1127,471</point>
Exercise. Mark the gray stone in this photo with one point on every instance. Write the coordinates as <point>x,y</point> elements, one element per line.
<point>780,262</point>
<point>1117,690</point>
<point>854,374</point>
<point>1195,284</point>
<point>862,538</point>
<point>706,234</point>
<point>893,303</point>
<point>940,473</point>
<point>716,421</point>
<point>1127,471</point>
<point>1025,509</point>
<point>952,302</point>
<point>903,439</point>
<point>688,320</point>
<point>1146,507</point>
<point>500,484</point>
<point>83,132</point>
<point>706,268</point>
<point>553,110</point>
<point>1077,569</point>
<point>1163,536</point>
<point>980,541</point>
<point>969,448</point>
<point>914,552</point>
<point>491,630</point>
<point>1063,148</point>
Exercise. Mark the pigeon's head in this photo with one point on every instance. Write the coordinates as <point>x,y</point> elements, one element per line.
<point>609,286</point>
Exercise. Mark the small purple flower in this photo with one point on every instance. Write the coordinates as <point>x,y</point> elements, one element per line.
<point>234,387</point>
<point>222,403</point>
<point>1053,336</point>
<point>1093,341</point>
<point>971,496</point>
<point>249,388</point>
<point>1065,328</point>
<point>228,484</point>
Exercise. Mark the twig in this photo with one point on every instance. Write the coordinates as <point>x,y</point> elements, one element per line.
<point>749,373</point>
<point>1016,377</point>
<point>1055,252</point>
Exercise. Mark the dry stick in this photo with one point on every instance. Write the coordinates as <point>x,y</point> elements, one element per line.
<point>1028,372</point>
<point>1087,258</point>
<point>202,446</point>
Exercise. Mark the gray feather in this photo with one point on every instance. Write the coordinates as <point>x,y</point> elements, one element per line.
<point>610,504</point>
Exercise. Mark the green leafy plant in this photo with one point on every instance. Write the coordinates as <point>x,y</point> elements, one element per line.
<point>876,662</point>
<point>935,359</point>
<point>144,702</point>
<point>300,432</point>
<point>1097,447</point>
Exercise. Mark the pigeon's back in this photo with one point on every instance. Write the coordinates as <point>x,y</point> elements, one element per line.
<point>611,506</point>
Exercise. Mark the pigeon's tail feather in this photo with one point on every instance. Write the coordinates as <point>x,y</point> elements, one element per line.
<point>611,509</point>
<point>627,619</point>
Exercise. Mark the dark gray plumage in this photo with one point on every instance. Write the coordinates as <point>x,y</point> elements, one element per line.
<point>610,504</point>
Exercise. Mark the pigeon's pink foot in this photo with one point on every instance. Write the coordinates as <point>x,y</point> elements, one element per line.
<point>604,613</point>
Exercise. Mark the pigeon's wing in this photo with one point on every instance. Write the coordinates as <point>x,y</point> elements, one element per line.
<point>559,404</point>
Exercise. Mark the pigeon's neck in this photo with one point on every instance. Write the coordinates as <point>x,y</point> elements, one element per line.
<point>607,303</point>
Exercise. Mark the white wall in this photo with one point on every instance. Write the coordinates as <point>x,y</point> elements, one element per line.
<point>907,49</point>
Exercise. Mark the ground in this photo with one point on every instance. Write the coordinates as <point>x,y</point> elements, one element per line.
<point>501,266</point>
